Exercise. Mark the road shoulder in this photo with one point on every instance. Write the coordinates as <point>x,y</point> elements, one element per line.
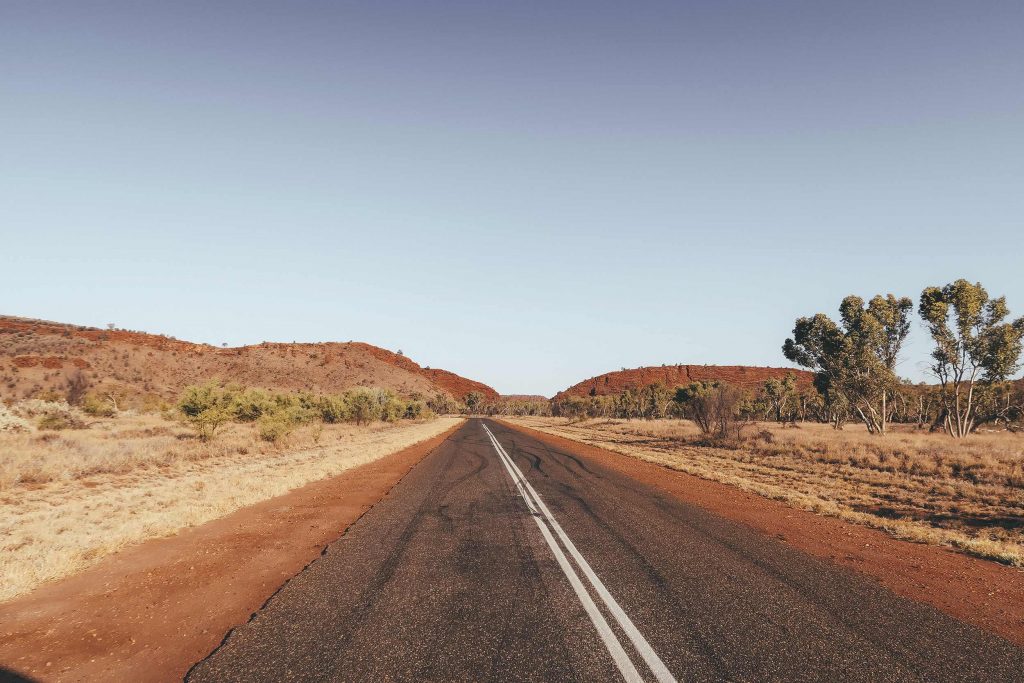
<point>979,592</point>
<point>150,612</point>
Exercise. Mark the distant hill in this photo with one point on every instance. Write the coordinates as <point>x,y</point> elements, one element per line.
<point>36,356</point>
<point>678,375</point>
<point>525,398</point>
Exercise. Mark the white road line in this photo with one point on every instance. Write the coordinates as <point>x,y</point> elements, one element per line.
<point>657,667</point>
<point>611,642</point>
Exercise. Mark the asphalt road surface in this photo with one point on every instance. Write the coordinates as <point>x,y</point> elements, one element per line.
<point>501,558</point>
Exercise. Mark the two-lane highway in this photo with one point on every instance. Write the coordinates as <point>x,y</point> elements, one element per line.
<point>501,558</point>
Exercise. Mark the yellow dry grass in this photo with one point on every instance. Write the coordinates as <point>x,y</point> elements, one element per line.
<point>69,498</point>
<point>915,485</point>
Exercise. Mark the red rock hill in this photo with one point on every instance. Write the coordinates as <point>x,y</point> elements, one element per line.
<point>37,356</point>
<point>678,375</point>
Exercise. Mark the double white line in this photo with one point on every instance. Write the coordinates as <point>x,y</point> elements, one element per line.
<point>547,522</point>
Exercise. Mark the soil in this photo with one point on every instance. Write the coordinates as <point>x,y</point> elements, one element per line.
<point>150,612</point>
<point>744,376</point>
<point>979,592</point>
<point>38,356</point>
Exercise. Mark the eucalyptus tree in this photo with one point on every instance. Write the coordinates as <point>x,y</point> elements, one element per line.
<point>974,347</point>
<point>779,394</point>
<point>855,360</point>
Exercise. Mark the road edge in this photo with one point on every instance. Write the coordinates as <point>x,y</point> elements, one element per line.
<point>979,592</point>
<point>172,617</point>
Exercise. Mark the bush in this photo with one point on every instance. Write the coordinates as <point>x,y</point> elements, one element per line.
<point>97,407</point>
<point>713,406</point>
<point>250,405</point>
<point>332,409</point>
<point>60,419</point>
<point>278,424</point>
<point>209,406</point>
<point>206,408</point>
<point>273,428</point>
<point>414,410</point>
<point>363,406</point>
<point>77,387</point>
<point>391,409</point>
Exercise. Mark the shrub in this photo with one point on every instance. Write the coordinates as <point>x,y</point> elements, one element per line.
<point>206,408</point>
<point>391,409</point>
<point>363,406</point>
<point>414,410</point>
<point>78,384</point>
<point>273,428</point>
<point>58,420</point>
<point>250,405</point>
<point>276,425</point>
<point>713,406</point>
<point>97,407</point>
<point>332,409</point>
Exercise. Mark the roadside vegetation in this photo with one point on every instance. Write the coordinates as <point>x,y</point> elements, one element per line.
<point>976,352</point>
<point>81,478</point>
<point>208,407</point>
<point>916,485</point>
<point>859,442</point>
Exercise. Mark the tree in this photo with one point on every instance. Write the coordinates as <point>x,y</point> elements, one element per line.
<point>572,407</point>
<point>974,347</point>
<point>656,400</point>
<point>627,405</point>
<point>854,362</point>
<point>473,401</point>
<point>443,404</point>
<point>712,405</point>
<point>781,396</point>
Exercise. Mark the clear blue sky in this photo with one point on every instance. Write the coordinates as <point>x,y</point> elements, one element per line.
<point>526,193</point>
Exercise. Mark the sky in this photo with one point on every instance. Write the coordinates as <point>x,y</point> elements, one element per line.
<point>527,193</point>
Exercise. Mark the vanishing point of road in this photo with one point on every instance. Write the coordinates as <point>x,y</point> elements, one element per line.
<point>501,558</point>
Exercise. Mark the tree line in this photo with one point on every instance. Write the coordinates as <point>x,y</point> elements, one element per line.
<point>976,350</point>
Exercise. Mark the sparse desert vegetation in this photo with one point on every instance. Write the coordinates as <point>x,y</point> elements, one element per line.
<point>71,496</point>
<point>966,493</point>
<point>131,369</point>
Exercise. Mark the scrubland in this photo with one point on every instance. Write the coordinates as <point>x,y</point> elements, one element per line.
<point>71,497</point>
<point>966,494</point>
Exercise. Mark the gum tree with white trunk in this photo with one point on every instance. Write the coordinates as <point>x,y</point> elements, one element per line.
<point>975,348</point>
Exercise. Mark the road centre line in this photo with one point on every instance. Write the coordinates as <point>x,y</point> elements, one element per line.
<point>540,510</point>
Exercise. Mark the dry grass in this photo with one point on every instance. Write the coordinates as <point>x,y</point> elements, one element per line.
<point>70,498</point>
<point>918,486</point>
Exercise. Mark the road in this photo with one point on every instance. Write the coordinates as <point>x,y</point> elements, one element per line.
<point>501,558</point>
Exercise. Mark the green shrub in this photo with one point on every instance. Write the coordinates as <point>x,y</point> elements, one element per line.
<point>278,424</point>
<point>391,408</point>
<point>206,408</point>
<point>250,405</point>
<point>274,428</point>
<point>333,409</point>
<point>97,407</point>
<point>414,410</point>
<point>363,406</point>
